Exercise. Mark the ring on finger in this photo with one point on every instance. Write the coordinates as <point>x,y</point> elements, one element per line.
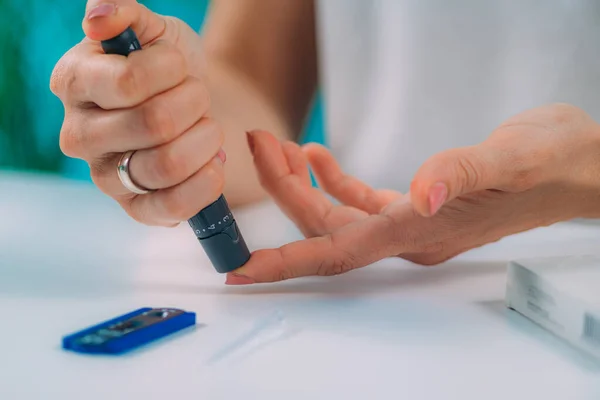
<point>123,172</point>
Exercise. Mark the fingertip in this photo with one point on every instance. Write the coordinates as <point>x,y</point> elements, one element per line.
<point>106,20</point>
<point>236,279</point>
<point>323,164</point>
<point>315,154</point>
<point>269,159</point>
<point>312,146</point>
<point>100,10</point>
<point>428,198</point>
<point>315,151</point>
<point>429,188</point>
<point>419,197</point>
<point>259,269</point>
<point>437,195</point>
<point>264,137</point>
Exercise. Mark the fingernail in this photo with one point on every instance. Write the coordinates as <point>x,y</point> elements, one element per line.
<point>250,139</point>
<point>237,279</point>
<point>222,156</point>
<point>102,11</point>
<point>437,197</point>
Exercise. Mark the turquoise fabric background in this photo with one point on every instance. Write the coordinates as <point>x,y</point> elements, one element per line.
<point>40,32</point>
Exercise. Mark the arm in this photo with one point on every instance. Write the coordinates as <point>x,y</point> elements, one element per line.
<point>178,104</point>
<point>261,73</point>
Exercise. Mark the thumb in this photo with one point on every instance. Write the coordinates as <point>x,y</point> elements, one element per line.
<point>455,172</point>
<point>106,19</point>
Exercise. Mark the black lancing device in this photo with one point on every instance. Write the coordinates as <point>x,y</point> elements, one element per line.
<point>214,226</point>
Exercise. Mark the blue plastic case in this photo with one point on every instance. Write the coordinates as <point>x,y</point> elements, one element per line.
<point>129,331</point>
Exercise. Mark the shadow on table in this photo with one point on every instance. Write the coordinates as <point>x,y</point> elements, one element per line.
<point>66,278</point>
<point>541,336</point>
<point>368,280</point>
<point>347,298</point>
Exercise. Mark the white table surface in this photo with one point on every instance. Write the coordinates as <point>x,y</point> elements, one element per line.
<point>70,258</point>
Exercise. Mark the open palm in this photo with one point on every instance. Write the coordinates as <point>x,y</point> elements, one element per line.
<point>538,168</point>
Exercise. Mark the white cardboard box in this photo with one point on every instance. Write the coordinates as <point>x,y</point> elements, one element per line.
<point>561,294</point>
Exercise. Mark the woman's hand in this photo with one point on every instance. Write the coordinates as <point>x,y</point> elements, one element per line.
<point>153,102</point>
<point>537,168</point>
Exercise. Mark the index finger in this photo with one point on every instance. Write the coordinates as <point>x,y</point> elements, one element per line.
<point>353,246</point>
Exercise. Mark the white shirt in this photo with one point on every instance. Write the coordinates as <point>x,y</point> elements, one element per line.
<point>405,79</point>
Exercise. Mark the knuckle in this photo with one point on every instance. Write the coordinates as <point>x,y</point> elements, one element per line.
<point>69,141</point>
<point>323,268</point>
<point>63,77</point>
<point>525,178</point>
<point>158,121</point>
<point>167,167</point>
<point>342,262</point>
<point>176,204</point>
<point>174,24</point>
<point>77,138</point>
<point>563,113</point>
<point>341,265</point>
<point>179,207</point>
<point>469,171</point>
<point>282,271</point>
<point>282,274</point>
<point>526,170</point>
<point>57,79</point>
<point>129,80</point>
<point>67,85</point>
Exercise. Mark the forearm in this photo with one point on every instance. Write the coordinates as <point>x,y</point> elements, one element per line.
<point>262,74</point>
<point>239,106</point>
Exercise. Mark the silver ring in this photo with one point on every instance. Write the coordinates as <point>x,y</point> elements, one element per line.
<point>123,171</point>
